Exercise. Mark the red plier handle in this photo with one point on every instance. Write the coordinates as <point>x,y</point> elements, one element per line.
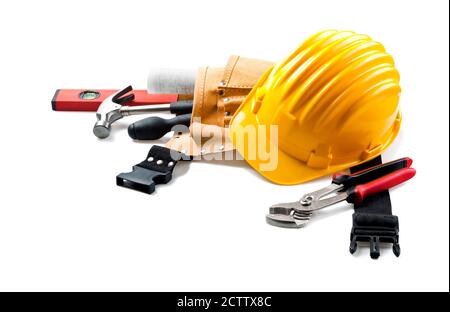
<point>358,193</point>
<point>354,188</point>
<point>370,174</point>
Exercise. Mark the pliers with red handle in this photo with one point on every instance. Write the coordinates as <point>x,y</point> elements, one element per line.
<point>353,188</point>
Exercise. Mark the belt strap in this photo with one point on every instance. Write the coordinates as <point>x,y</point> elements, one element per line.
<point>373,221</point>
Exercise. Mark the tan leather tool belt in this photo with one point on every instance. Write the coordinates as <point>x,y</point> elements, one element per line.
<point>218,93</point>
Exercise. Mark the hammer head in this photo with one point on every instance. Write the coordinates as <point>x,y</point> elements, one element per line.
<point>107,113</point>
<point>110,111</point>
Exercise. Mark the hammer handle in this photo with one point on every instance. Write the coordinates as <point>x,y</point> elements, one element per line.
<point>178,108</point>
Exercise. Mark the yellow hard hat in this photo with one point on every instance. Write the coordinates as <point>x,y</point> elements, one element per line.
<point>331,105</point>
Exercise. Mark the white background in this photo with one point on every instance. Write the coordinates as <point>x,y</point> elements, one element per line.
<point>65,225</point>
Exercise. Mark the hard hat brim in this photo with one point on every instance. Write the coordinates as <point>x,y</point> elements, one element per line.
<point>288,170</point>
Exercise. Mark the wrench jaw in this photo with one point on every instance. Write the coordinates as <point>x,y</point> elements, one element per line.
<point>298,214</point>
<point>285,221</point>
<point>286,217</point>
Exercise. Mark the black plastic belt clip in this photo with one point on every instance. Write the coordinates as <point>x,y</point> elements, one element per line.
<point>375,229</point>
<point>155,169</point>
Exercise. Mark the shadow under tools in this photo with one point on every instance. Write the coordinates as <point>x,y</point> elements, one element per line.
<point>120,126</point>
<point>180,170</point>
<point>162,141</point>
<point>116,128</point>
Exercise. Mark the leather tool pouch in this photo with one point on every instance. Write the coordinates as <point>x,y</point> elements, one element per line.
<point>217,95</point>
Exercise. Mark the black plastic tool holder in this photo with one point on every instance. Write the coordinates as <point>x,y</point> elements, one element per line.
<point>373,221</point>
<point>156,169</point>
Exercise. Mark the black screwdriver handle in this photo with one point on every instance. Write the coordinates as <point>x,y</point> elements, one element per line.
<point>153,128</point>
<point>181,107</point>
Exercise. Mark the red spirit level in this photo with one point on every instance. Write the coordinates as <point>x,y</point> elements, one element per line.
<point>88,100</point>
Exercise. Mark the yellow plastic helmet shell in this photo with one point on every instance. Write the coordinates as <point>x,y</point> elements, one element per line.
<point>334,103</point>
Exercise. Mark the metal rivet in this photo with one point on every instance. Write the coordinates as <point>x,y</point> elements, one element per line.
<point>150,159</point>
<point>221,147</point>
<point>226,100</point>
<point>227,114</point>
<point>307,200</point>
<point>159,162</point>
<point>170,164</point>
<point>222,84</point>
